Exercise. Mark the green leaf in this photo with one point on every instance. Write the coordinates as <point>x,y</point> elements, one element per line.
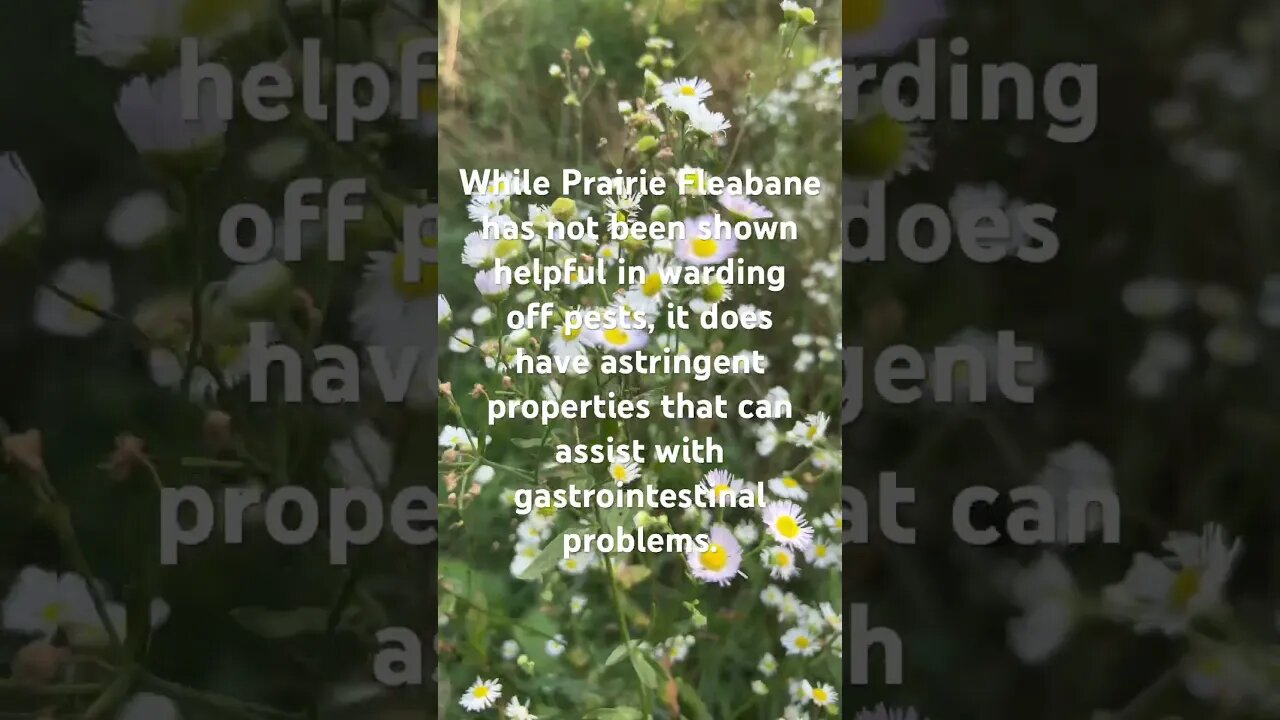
<point>619,652</point>
<point>691,703</point>
<point>282,624</point>
<point>644,670</point>
<point>547,559</point>
<point>619,713</point>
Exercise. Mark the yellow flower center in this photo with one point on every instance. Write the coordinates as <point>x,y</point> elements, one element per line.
<point>507,249</point>
<point>688,90</point>
<point>788,527</point>
<point>571,564</point>
<point>409,290</point>
<point>714,558</point>
<point>1185,586</point>
<point>721,490</point>
<point>790,482</point>
<point>616,336</point>
<point>781,559</point>
<point>52,612</point>
<point>820,551</point>
<point>481,692</point>
<point>705,247</point>
<point>569,334</point>
<point>876,145</point>
<point>859,16</point>
<point>802,642</point>
<point>713,292</point>
<point>619,473</point>
<point>820,696</point>
<point>652,284</point>
<point>812,432</point>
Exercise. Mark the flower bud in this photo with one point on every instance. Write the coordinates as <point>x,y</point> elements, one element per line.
<point>258,288</point>
<point>646,145</point>
<point>806,17</point>
<point>564,209</point>
<point>38,662</point>
<point>661,213</point>
<point>583,42</point>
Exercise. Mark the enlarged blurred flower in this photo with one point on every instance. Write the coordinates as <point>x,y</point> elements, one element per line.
<point>481,695</point>
<point>785,522</point>
<point>139,219</point>
<point>720,562</point>
<point>823,554</point>
<point>876,28</point>
<point>1269,302</point>
<point>149,706</point>
<point>1165,594</point>
<point>151,115</point>
<point>128,33</point>
<point>1232,345</point>
<point>1076,470</point>
<point>20,206</point>
<point>41,601</point>
<point>393,308</point>
<point>1045,592</point>
<point>277,158</point>
<point>90,284</point>
<point>879,146</point>
<point>258,288</point>
<point>787,488</point>
<point>362,459</point>
<point>704,241</point>
<point>1225,675</point>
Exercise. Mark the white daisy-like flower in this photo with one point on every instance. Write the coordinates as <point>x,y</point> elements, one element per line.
<point>362,459</point>
<point>139,219</point>
<point>90,284</point>
<point>148,706</point>
<point>721,561</point>
<point>742,207</point>
<point>1046,593</point>
<point>768,664</point>
<point>575,564</point>
<point>555,646</point>
<point>1165,594</point>
<point>823,554</point>
<point>624,473</point>
<point>767,438</point>
<point>491,285</point>
<point>618,339</point>
<point>516,711</point>
<point>151,115</point>
<point>723,485</point>
<point>787,487</point>
<point>878,28</point>
<point>1077,469</point>
<point>510,650</point>
<point>20,206</point>
<point>41,601</point>
<point>784,521</point>
<point>654,288</point>
<point>685,94</point>
<point>747,532</point>
<point>523,558</point>
<point>810,431</point>
<point>463,340</point>
<point>707,121</point>
<point>392,307</point>
<point>772,596</point>
<point>691,181</point>
<point>781,563</point>
<point>821,694</point>
<point>799,641</point>
<point>703,243</point>
<point>481,695</point>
